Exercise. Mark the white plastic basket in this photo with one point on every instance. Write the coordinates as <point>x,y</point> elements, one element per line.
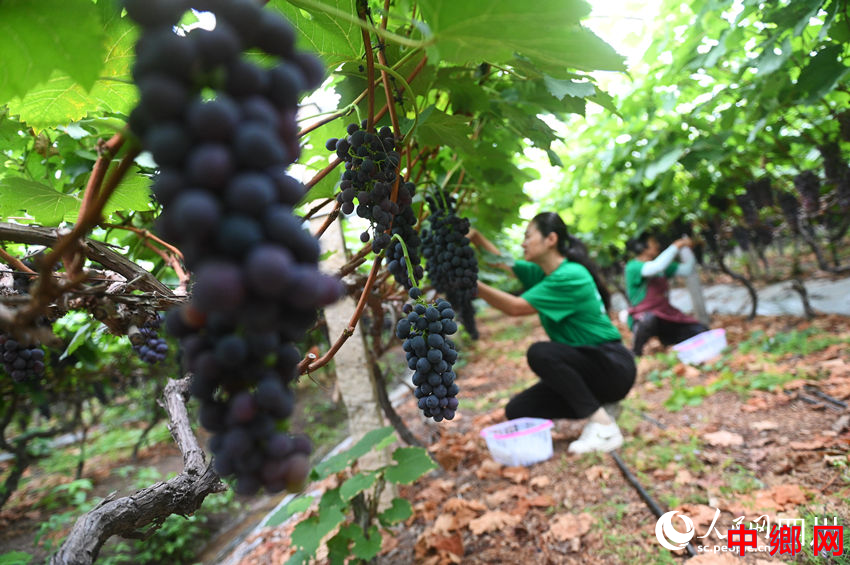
<point>523,441</point>
<point>701,347</point>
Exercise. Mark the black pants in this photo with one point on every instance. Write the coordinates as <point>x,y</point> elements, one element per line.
<point>574,381</point>
<point>669,333</point>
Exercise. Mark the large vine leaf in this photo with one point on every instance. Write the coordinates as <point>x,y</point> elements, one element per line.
<point>38,38</point>
<point>45,205</point>
<point>334,39</point>
<point>413,462</point>
<point>63,99</point>
<point>822,73</point>
<point>438,128</point>
<point>545,32</point>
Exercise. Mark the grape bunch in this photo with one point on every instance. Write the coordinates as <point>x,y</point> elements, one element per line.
<point>371,171</point>
<point>222,130</point>
<point>790,207</point>
<point>837,171</point>
<point>807,184</point>
<point>844,125</point>
<point>431,354</point>
<point>834,165</point>
<point>749,209</point>
<point>450,260</point>
<point>150,347</point>
<point>404,226</point>
<point>742,236</point>
<point>21,362</point>
<point>760,192</point>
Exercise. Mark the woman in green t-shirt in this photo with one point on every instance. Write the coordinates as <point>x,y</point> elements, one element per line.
<point>586,364</point>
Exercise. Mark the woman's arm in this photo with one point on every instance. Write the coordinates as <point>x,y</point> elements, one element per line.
<point>504,301</point>
<point>689,261</point>
<point>657,265</point>
<point>482,242</point>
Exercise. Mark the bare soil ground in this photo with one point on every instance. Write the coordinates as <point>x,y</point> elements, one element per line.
<point>747,435</point>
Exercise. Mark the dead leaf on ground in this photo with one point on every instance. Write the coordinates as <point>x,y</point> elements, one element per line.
<point>598,472</point>
<point>810,445</point>
<point>700,514</point>
<point>449,549</point>
<point>723,438</point>
<point>779,498</point>
<point>569,526</point>
<point>489,469</point>
<point>516,474</point>
<point>683,477</point>
<point>525,504</point>
<point>445,524</point>
<point>492,521</point>
<point>687,371</point>
<point>459,504</point>
<point>667,473</point>
<point>539,482</point>
<point>436,490</point>
<point>503,495</point>
<point>764,425</point>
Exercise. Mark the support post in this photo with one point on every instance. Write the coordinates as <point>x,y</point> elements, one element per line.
<point>351,361</point>
<point>697,298</point>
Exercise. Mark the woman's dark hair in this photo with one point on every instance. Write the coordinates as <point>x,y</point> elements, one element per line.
<point>571,248</point>
<point>638,245</point>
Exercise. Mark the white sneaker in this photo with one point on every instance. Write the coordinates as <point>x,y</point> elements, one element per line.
<point>597,437</point>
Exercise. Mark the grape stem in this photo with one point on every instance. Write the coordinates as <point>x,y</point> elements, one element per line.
<point>362,7</point>
<point>407,262</point>
<point>328,221</point>
<point>14,262</point>
<point>305,366</point>
<point>68,248</point>
<point>340,14</point>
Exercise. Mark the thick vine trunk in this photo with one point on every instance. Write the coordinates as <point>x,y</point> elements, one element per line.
<point>94,250</point>
<point>126,516</point>
<point>744,281</point>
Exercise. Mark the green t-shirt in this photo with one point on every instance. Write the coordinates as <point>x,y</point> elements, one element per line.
<point>636,283</point>
<point>570,307</point>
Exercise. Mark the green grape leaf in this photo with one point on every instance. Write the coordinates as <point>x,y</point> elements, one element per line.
<point>356,484</point>
<point>83,334</point>
<point>438,128</point>
<point>561,88</point>
<point>61,99</point>
<point>399,511</point>
<point>294,506</point>
<point>373,440</point>
<point>309,533</point>
<point>133,193</point>
<point>413,462</point>
<point>41,202</point>
<point>333,39</point>
<point>38,38</point>
<point>366,548</point>
<point>822,73</point>
<point>545,31</point>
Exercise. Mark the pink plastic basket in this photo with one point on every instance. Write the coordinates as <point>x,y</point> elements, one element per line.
<point>523,441</point>
<point>701,347</point>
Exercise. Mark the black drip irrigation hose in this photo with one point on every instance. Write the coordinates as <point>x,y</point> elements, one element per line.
<point>820,394</point>
<point>647,498</point>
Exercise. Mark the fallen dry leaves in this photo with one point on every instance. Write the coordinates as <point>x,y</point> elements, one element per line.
<point>567,527</point>
<point>723,438</point>
<point>492,521</point>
